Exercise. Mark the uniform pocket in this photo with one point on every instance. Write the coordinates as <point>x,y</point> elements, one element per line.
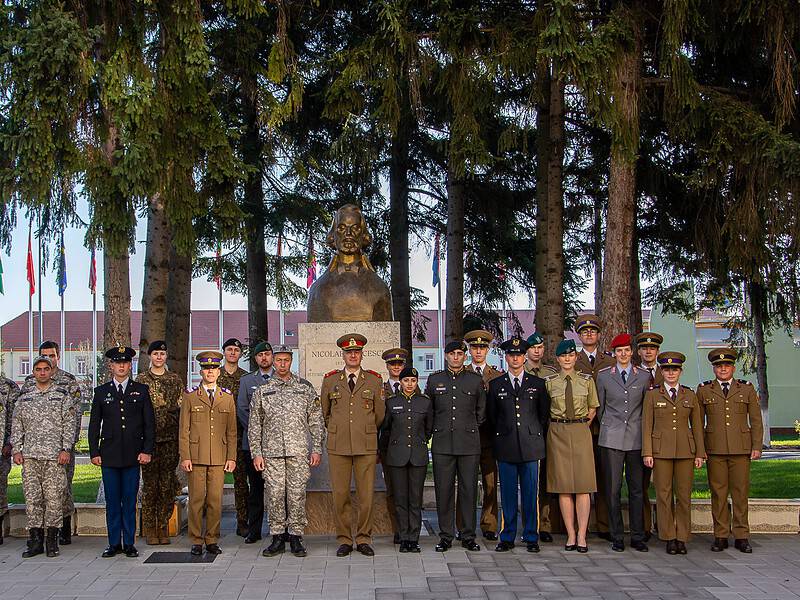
<point>656,439</point>
<point>692,446</point>
<point>741,405</point>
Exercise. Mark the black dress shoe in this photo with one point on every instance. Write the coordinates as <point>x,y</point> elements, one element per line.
<point>545,536</point>
<point>458,536</point>
<point>213,549</point>
<point>404,547</point>
<point>112,551</point>
<point>414,547</point>
<point>570,547</point>
<point>252,539</point>
<point>681,547</point>
<point>582,549</point>
<point>533,547</point>
<point>504,547</point>
<point>672,547</point>
<point>719,544</point>
<point>296,546</point>
<point>618,546</point>
<point>344,550</point>
<point>490,535</point>
<point>443,546</point>
<point>743,546</point>
<point>605,535</point>
<point>278,546</point>
<point>396,538</point>
<point>365,549</point>
<point>197,549</point>
<point>647,536</point>
<point>130,551</point>
<point>640,546</point>
<point>470,545</point>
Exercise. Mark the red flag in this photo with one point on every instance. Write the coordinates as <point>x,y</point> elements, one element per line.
<point>31,270</point>
<point>93,273</point>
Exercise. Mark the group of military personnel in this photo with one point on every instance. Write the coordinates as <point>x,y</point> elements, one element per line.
<point>550,437</point>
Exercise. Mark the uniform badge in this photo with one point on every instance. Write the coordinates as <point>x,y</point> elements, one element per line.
<point>660,404</point>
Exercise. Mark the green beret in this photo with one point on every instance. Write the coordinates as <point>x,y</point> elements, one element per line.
<point>262,347</point>
<point>565,347</point>
<point>535,339</point>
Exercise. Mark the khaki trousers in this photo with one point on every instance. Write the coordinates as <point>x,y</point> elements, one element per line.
<point>342,468</point>
<point>729,473</point>
<point>673,480</point>
<point>205,493</point>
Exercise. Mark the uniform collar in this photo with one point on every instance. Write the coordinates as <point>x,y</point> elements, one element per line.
<point>123,383</point>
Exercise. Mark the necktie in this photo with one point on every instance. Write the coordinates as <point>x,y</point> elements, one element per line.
<point>351,382</point>
<point>265,376</point>
<point>652,374</point>
<point>591,360</point>
<point>120,391</point>
<point>210,395</point>
<point>725,389</point>
<point>478,371</point>
<point>624,377</point>
<point>674,393</point>
<point>568,401</point>
<point>396,387</point>
<point>516,385</point>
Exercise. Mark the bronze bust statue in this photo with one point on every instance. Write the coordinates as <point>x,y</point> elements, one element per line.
<point>350,289</point>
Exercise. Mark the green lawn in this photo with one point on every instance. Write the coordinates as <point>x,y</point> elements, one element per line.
<point>84,486</point>
<point>786,440</point>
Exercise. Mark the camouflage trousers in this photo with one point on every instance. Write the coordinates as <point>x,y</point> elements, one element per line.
<point>43,483</point>
<point>240,488</point>
<point>5,468</point>
<point>159,487</point>
<point>69,502</point>
<point>285,481</point>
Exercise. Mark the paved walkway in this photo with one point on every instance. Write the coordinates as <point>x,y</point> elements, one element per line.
<point>241,573</point>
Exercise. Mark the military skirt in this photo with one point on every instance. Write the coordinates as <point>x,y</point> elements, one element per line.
<point>570,459</point>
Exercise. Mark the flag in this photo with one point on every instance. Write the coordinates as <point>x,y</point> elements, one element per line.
<point>93,274</point>
<point>30,268</point>
<point>1,277</point>
<point>436,260</point>
<point>311,270</point>
<point>62,268</point>
<point>218,274</point>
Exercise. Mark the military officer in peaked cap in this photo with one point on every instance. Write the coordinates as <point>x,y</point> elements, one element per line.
<point>478,341</point>
<point>733,437</point>
<point>207,444</point>
<point>648,344</point>
<point>590,360</point>
<point>459,406</point>
<point>122,435</point>
<point>395,359</point>
<point>518,409</point>
<point>353,408</point>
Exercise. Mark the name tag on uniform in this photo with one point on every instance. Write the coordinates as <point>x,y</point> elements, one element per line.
<point>502,394</point>
<point>440,389</point>
<point>660,404</point>
<point>397,408</point>
<point>269,393</point>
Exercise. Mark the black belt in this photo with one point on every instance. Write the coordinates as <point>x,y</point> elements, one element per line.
<point>583,420</point>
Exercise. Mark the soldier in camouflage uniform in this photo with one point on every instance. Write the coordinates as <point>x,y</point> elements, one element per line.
<point>284,412</point>
<point>160,484</point>
<point>8,395</point>
<point>65,379</point>
<point>42,434</point>
<point>229,376</point>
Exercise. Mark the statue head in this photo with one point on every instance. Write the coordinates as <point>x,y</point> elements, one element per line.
<point>348,234</point>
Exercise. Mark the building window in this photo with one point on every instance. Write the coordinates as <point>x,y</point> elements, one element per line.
<point>430,362</point>
<point>81,366</point>
<point>134,366</point>
<point>195,365</point>
<point>24,367</point>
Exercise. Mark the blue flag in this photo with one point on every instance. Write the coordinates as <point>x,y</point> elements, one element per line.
<point>436,261</point>
<point>62,268</point>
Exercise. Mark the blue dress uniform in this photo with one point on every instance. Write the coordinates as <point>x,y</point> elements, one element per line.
<point>518,409</point>
<point>121,426</point>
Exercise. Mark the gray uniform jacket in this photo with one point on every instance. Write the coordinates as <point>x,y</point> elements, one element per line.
<point>247,387</point>
<point>44,422</point>
<point>283,415</point>
<point>459,408</point>
<point>620,411</point>
<point>406,429</point>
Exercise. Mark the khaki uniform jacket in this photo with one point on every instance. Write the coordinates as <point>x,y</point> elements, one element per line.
<point>665,425</point>
<point>207,433</point>
<point>352,418</point>
<point>733,424</point>
<point>488,373</point>
<point>658,377</point>
<point>541,371</point>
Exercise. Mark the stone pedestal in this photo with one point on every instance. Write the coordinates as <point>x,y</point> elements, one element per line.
<point>319,355</point>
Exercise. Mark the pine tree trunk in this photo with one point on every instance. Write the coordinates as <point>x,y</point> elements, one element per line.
<point>549,249</point>
<point>620,218</point>
<point>454,296</point>
<point>179,300</point>
<point>597,253</point>
<point>758,308</point>
<point>156,279</point>
<point>636,323</point>
<point>255,253</point>
<point>116,300</point>
<point>398,223</point>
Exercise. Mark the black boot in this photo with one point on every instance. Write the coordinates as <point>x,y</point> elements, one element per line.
<point>276,547</point>
<point>35,542</point>
<point>51,543</point>
<point>65,533</point>
<point>296,545</point>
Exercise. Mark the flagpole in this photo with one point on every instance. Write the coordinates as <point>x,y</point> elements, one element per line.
<point>439,324</point>
<point>221,340</point>
<point>189,355</point>
<point>94,339</point>
<point>31,292</point>
<point>30,332</point>
<point>219,288</point>
<point>41,277</point>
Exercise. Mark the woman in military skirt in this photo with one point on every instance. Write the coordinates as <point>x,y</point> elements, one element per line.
<point>672,445</point>
<point>405,432</point>
<point>570,457</point>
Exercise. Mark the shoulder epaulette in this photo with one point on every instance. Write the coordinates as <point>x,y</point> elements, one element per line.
<point>686,387</point>
<point>744,381</point>
<point>378,375</point>
<point>192,389</point>
<point>305,382</point>
<point>652,387</point>
<point>329,373</point>
<point>551,376</point>
<point>604,369</point>
<point>607,353</point>
<point>436,372</point>
<point>586,376</point>
<point>226,390</point>
<point>709,382</point>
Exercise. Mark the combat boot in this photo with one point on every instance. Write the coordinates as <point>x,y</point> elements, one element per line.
<point>35,542</point>
<point>51,543</point>
<point>296,545</point>
<point>151,536</point>
<point>65,533</point>
<point>278,546</point>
